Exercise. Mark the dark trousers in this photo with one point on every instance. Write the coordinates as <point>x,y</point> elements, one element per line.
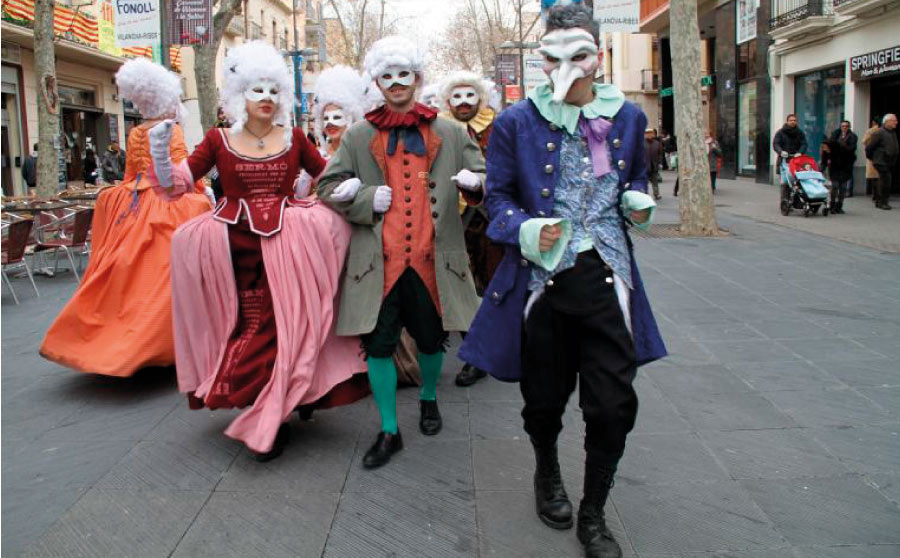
<point>576,332</point>
<point>408,305</point>
<point>883,187</point>
<point>838,191</point>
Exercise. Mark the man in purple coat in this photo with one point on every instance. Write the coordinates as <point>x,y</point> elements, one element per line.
<point>566,177</point>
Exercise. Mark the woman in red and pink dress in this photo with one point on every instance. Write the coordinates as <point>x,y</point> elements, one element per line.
<point>254,282</point>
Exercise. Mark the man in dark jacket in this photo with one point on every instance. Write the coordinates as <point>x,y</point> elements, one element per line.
<point>653,158</point>
<point>113,163</point>
<point>846,140</point>
<point>29,169</point>
<point>883,151</point>
<point>790,141</point>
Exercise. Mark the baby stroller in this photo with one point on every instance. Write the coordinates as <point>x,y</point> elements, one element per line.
<point>803,186</point>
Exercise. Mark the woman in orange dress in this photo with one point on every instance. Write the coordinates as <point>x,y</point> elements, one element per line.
<point>120,318</point>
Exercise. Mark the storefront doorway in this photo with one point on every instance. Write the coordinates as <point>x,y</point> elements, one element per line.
<point>885,98</point>
<point>14,149</point>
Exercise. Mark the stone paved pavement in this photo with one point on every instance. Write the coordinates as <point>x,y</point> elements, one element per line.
<point>772,431</point>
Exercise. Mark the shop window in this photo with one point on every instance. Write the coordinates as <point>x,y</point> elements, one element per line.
<point>746,60</point>
<point>819,104</point>
<point>76,96</point>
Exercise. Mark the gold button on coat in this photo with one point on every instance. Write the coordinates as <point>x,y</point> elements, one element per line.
<point>545,193</point>
<point>548,169</point>
<point>621,163</point>
<point>551,146</point>
<point>617,143</point>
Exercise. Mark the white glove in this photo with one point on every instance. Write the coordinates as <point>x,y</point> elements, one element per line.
<point>382,201</point>
<point>160,137</point>
<point>210,194</point>
<point>467,180</point>
<point>347,190</point>
<point>796,154</point>
<point>785,154</point>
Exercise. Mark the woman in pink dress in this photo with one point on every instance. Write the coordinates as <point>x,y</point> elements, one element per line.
<point>254,282</point>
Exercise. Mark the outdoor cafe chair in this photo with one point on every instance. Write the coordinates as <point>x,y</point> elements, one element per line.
<point>69,239</point>
<point>15,240</point>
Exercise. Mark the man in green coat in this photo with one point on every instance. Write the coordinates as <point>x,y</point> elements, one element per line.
<point>396,178</point>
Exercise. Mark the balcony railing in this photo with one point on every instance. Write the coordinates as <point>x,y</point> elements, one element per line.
<point>839,3</point>
<point>236,26</point>
<point>649,80</point>
<point>786,12</point>
<point>255,31</point>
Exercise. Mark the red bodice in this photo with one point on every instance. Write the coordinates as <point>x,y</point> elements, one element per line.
<point>257,188</point>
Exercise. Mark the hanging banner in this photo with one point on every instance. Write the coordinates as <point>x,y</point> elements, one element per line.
<point>190,22</point>
<point>622,16</point>
<point>745,20</point>
<point>137,22</point>
<point>106,36</point>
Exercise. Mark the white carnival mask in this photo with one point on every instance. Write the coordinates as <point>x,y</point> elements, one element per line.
<point>334,118</point>
<point>569,54</point>
<point>396,75</point>
<point>463,95</point>
<point>261,90</point>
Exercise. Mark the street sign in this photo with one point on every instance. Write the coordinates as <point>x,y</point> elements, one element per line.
<point>665,92</point>
<point>190,22</point>
<point>506,68</point>
<point>706,81</point>
<point>137,23</point>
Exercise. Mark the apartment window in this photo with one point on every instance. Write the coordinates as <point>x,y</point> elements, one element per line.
<point>746,60</point>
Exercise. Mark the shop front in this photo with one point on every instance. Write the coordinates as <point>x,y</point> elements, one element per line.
<point>819,104</point>
<point>15,143</point>
<point>880,72</point>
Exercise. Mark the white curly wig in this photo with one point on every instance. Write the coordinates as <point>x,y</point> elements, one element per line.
<point>461,78</point>
<point>154,90</point>
<point>431,94</point>
<point>393,51</point>
<point>342,86</point>
<point>247,64</point>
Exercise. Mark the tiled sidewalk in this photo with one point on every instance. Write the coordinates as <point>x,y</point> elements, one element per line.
<point>772,431</point>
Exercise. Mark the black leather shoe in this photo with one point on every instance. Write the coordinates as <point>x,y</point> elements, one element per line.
<point>550,498</point>
<point>281,440</point>
<point>430,421</point>
<point>381,451</point>
<point>469,375</point>
<point>592,531</point>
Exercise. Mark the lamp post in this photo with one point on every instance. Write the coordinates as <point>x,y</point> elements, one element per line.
<point>297,60</point>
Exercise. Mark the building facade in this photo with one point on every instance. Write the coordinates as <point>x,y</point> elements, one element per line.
<point>834,61</point>
<point>631,62</point>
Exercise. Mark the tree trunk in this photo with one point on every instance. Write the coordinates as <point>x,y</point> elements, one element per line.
<point>698,214</point>
<point>205,64</point>
<point>48,99</point>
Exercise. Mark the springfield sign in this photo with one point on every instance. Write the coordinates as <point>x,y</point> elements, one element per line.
<point>876,64</point>
<point>137,22</point>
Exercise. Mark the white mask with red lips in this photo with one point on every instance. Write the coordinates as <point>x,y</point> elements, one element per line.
<point>261,90</point>
<point>569,54</point>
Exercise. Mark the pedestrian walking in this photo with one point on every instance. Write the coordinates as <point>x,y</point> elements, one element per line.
<point>871,173</point>
<point>883,150</point>
<point>254,282</point>
<point>844,144</point>
<point>653,158</point>
<point>714,156</point>
<point>90,167</point>
<point>789,141</point>
<point>112,162</point>
<point>464,98</point>
<point>567,306</point>
<point>120,318</point>
<point>396,178</point>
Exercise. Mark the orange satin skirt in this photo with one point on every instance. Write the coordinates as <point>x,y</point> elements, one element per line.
<point>120,318</point>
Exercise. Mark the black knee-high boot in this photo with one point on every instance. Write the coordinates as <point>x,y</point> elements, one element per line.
<point>592,531</point>
<point>551,500</point>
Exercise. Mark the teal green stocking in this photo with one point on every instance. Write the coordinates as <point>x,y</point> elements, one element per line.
<point>430,365</point>
<point>383,378</point>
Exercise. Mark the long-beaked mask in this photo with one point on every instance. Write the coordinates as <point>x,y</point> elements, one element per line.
<point>464,95</point>
<point>396,75</point>
<point>261,90</point>
<point>569,54</point>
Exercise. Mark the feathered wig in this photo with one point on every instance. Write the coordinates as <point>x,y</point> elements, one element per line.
<point>462,78</point>
<point>341,86</point>
<point>393,51</point>
<point>154,90</point>
<point>247,64</point>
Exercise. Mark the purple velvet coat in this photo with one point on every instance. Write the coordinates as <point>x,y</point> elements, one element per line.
<point>522,170</point>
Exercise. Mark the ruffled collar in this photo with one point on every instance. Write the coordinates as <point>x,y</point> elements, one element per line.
<point>608,99</point>
<point>479,123</point>
<point>384,118</point>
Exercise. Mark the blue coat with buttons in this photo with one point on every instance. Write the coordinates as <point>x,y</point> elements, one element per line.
<point>522,170</point>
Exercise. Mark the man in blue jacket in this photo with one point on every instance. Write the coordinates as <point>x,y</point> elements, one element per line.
<point>566,177</point>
